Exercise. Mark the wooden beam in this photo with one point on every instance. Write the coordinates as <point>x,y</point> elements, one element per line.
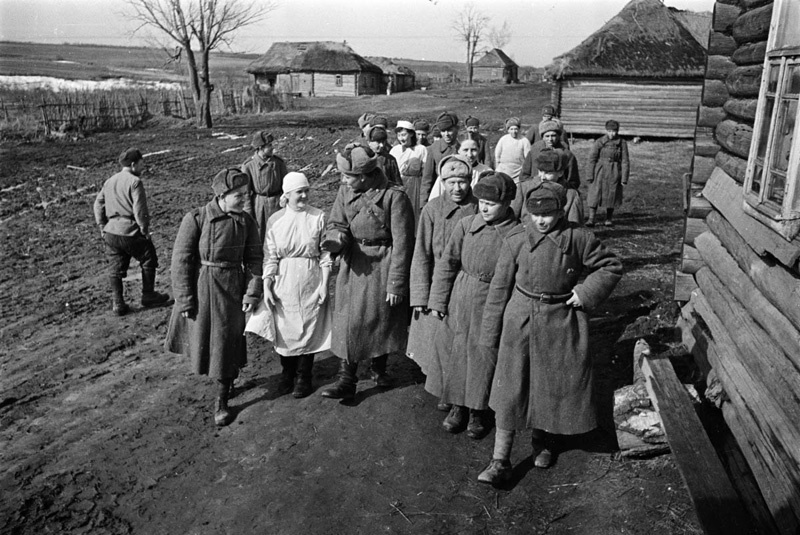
<point>752,25</point>
<point>708,116</point>
<point>684,286</point>
<point>724,17</point>
<point>721,44</point>
<point>733,166</point>
<point>719,67</point>
<point>718,507</point>
<point>694,227</point>
<point>699,207</point>
<point>702,166</point>
<point>745,81</point>
<point>743,108</point>
<point>691,261</point>
<point>734,137</point>
<point>750,54</point>
<point>715,93</point>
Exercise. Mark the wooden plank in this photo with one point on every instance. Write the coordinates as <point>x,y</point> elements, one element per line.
<point>694,227</point>
<point>704,143</point>
<point>699,207</point>
<point>691,261</point>
<point>702,166</point>
<point>735,137</point>
<point>683,287</point>
<point>745,81</point>
<point>726,196</point>
<point>718,507</point>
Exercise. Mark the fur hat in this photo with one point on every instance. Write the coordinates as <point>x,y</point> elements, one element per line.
<point>261,138</point>
<point>472,121</point>
<point>293,181</point>
<point>376,133</point>
<point>546,198</point>
<point>446,120</point>
<point>454,165</point>
<point>496,187</point>
<point>356,159</point>
<point>612,125</point>
<point>548,126</point>
<point>365,119</point>
<point>129,157</point>
<point>422,124</point>
<point>380,121</point>
<point>228,180</point>
<point>512,121</point>
<point>549,109</point>
<point>548,161</point>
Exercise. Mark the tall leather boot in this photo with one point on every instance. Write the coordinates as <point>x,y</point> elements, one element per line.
<point>288,371</point>
<point>150,297</point>
<point>379,375</point>
<point>345,387</point>
<point>118,305</point>
<point>609,217</point>
<point>302,386</point>
<point>222,413</point>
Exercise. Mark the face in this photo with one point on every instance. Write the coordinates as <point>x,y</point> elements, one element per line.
<point>354,182</point>
<point>546,222</point>
<point>234,200</point>
<point>548,177</point>
<point>422,135</point>
<point>457,188</point>
<point>469,149</point>
<point>449,135</point>
<point>297,199</point>
<point>266,151</point>
<point>137,167</point>
<point>491,211</point>
<point>513,131</point>
<point>378,146</point>
<point>612,133</point>
<point>472,129</point>
<point>403,137</point>
<point>550,138</point>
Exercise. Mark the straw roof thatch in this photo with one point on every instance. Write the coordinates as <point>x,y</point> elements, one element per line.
<point>644,40</point>
<point>495,58</point>
<point>315,56</point>
<point>390,67</point>
<point>697,22</point>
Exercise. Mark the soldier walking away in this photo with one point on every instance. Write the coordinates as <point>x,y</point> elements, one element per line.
<point>610,170</point>
<point>121,211</point>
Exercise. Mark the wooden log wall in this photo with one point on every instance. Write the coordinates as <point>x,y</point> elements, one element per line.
<point>739,277</point>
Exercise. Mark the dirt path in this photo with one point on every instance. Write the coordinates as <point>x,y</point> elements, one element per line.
<point>103,432</point>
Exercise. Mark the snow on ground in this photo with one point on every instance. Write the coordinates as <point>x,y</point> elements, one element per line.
<point>60,84</point>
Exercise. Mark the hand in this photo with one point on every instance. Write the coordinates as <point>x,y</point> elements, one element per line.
<point>331,246</point>
<point>393,299</point>
<point>321,294</point>
<point>247,307</point>
<point>575,301</point>
<point>439,315</point>
<point>269,295</point>
<point>189,314</point>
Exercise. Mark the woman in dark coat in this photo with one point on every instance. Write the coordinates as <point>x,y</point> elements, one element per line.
<point>610,171</point>
<point>212,288</point>
<point>371,226</point>
<point>460,285</point>
<point>535,315</point>
<point>439,218</point>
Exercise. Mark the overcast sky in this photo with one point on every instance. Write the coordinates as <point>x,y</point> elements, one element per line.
<point>418,29</point>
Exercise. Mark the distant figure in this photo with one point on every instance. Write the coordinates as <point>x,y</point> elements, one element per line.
<point>389,86</point>
<point>421,127</point>
<point>511,150</point>
<point>265,172</point>
<point>447,125</point>
<point>548,114</point>
<point>610,172</point>
<point>485,154</point>
<point>120,209</point>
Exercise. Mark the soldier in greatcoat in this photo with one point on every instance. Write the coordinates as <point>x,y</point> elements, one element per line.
<point>551,165</point>
<point>460,285</point>
<point>447,126</point>
<point>610,171</point>
<point>371,227</point>
<point>265,171</point>
<point>216,279</point>
<point>438,219</point>
<point>536,317</point>
<point>551,141</point>
<point>548,114</point>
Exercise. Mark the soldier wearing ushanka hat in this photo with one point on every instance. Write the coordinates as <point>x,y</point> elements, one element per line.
<point>216,278</point>
<point>378,141</point>
<point>120,209</point>
<point>551,167</point>
<point>610,169</point>
<point>421,127</point>
<point>534,133</point>
<point>548,275</point>
<point>371,226</point>
<point>551,140</point>
<point>265,171</point>
<point>447,124</point>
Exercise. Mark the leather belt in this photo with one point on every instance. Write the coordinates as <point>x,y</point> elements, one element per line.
<point>483,277</point>
<point>364,241</point>
<point>544,297</point>
<point>222,265</point>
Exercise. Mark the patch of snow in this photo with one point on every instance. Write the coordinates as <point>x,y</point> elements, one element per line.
<point>60,84</point>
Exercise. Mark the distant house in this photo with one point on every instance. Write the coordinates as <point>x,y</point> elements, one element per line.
<point>321,68</point>
<point>644,68</point>
<point>402,77</point>
<point>495,65</point>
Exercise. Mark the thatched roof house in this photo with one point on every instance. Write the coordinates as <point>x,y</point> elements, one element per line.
<point>495,65</point>
<point>320,68</point>
<point>644,67</point>
<point>402,77</point>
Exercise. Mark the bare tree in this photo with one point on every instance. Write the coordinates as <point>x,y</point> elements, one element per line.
<point>499,37</point>
<point>199,26</point>
<point>470,25</point>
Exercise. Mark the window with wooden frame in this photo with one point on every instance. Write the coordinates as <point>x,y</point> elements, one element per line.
<point>338,80</point>
<point>772,184</point>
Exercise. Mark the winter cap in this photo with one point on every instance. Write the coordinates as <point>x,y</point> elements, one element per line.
<point>261,138</point>
<point>612,125</point>
<point>496,187</point>
<point>548,161</point>
<point>454,165</point>
<point>546,198</point>
<point>365,119</point>
<point>447,120</point>
<point>376,133</point>
<point>549,110</point>
<point>130,157</point>
<point>356,159</point>
<point>436,132</point>
<point>380,121</point>
<point>472,121</point>
<point>404,125</point>
<point>293,181</point>
<point>228,180</point>
<point>421,124</point>
<point>548,126</point>
<point>512,121</point>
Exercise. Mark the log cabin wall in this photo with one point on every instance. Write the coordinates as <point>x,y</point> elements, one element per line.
<point>643,108</point>
<point>738,278</point>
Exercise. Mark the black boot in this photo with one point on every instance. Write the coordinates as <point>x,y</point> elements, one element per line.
<point>305,366</point>
<point>288,371</point>
<point>222,413</point>
<point>151,298</point>
<point>345,387</point>
<point>379,375</point>
<point>118,305</point>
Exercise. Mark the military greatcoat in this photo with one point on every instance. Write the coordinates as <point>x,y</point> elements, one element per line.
<point>610,171</point>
